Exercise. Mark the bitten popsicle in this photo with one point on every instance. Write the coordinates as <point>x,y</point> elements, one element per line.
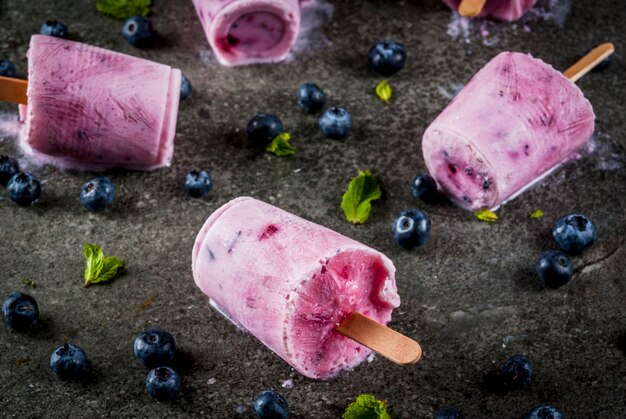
<point>295,285</point>
<point>91,109</point>
<point>250,31</point>
<point>514,122</point>
<point>508,10</point>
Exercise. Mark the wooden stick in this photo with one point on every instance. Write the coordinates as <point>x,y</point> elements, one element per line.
<point>387,342</point>
<point>471,8</point>
<point>13,90</point>
<point>589,61</point>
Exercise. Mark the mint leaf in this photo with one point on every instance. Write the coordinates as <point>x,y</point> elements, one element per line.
<point>356,202</point>
<point>366,407</point>
<point>383,90</point>
<point>29,283</point>
<point>123,9</point>
<point>536,214</point>
<point>99,268</point>
<point>281,145</point>
<point>486,215</point>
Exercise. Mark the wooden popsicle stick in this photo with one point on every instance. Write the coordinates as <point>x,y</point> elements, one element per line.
<point>589,61</point>
<point>13,90</point>
<point>471,8</point>
<point>392,345</point>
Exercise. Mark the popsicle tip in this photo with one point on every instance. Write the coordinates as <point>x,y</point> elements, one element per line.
<point>471,8</point>
<point>589,61</point>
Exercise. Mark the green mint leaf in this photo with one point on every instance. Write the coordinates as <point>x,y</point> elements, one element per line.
<point>99,268</point>
<point>29,283</point>
<point>356,202</point>
<point>486,215</point>
<point>383,90</point>
<point>536,214</point>
<point>123,9</point>
<point>281,145</point>
<point>366,407</point>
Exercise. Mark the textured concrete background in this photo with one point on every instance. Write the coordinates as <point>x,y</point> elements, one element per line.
<point>469,296</point>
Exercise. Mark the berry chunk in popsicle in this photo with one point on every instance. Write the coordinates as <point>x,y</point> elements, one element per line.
<point>250,31</point>
<point>514,122</point>
<point>89,108</point>
<point>295,285</point>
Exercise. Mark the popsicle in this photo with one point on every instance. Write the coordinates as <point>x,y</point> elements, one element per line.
<point>89,108</point>
<point>298,287</point>
<point>508,10</point>
<point>513,123</point>
<point>250,31</point>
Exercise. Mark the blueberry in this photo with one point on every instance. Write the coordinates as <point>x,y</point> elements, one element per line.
<point>311,98</point>
<point>554,268</point>
<point>53,28</point>
<point>20,311</point>
<point>516,372</point>
<point>155,348</point>
<point>70,362</point>
<point>185,87</point>
<point>7,69</point>
<point>24,189</point>
<point>545,412</point>
<point>425,188</point>
<point>387,58</point>
<point>8,168</point>
<point>336,123</point>
<point>271,405</point>
<point>449,413</point>
<point>411,229</point>
<point>137,30</point>
<point>97,194</point>
<point>263,128</point>
<point>163,383</point>
<point>574,233</point>
<point>198,183</point>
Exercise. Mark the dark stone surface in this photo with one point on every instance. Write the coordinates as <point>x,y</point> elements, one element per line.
<point>469,296</point>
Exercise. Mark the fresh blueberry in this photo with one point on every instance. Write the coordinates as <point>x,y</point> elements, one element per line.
<point>449,413</point>
<point>336,123</point>
<point>70,362</point>
<point>387,58</point>
<point>185,87</point>
<point>271,405</point>
<point>263,128</point>
<point>24,189</point>
<point>516,372</point>
<point>425,188</point>
<point>53,28</point>
<point>20,311</point>
<point>8,168</point>
<point>311,98</point>
<point>411,229</point>
<point>163,383</point>
<point>198,183</point>
<point>137,30</point>
<point>574,233</point>
<point>554,268</point>
<point>545,412</point>
<point>97,194</point>
<point>155,347</point>
<point>7,69</point>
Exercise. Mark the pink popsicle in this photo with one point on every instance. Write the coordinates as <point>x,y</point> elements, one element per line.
<point>291,282</point>
<point>91,109</point>
<point>511,125</point>
<point>250,31</point>
<point>508,10</point>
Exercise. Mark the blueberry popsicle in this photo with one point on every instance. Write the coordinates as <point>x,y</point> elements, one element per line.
<point>291,283</point>
<point>508,10</point>
<point>90,108</point>
<point>250,31</point>
<point>510,126</point>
